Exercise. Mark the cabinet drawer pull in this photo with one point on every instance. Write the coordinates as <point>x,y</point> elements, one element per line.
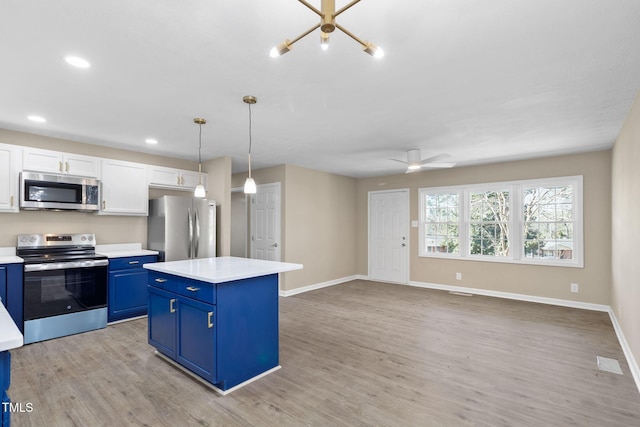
<point>192,288</point>
<point>134,262</point>
<point>60,166</point>
<point>66,166</point>
<point>172,309</point>
<point>209,324</point>
<point>161,280</point>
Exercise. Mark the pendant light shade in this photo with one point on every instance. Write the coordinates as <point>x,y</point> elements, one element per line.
<point>199,191</point>
<point>250,184</point>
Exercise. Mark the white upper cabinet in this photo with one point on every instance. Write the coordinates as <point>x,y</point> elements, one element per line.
<point>37,160</point>
<point>9,168</point>
<point>124,188</point>
<point>175,179</point>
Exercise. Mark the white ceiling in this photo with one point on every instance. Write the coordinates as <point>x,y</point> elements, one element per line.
<point>484,81</point>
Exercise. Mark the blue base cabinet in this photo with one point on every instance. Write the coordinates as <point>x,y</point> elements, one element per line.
<point>5,382</point>
<point>11,291</point>
<point>226,333</point>
<point>128,287</point>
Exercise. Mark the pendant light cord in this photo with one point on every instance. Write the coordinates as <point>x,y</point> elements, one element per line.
<point>249,140</point>
<point>200,145</point>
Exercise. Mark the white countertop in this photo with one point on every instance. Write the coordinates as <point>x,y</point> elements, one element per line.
<point>8,256</point>
<point>122,250</point>
<point>10,336</point>
<point>222,269</point>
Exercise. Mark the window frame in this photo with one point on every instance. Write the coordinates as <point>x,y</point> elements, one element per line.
<point>516,220</point>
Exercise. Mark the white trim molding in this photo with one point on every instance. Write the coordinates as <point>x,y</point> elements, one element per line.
<point>631,361</point>
<point>316,286</point>
<point>519,297</point>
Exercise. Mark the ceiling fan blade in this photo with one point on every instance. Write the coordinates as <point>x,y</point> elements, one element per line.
<point>440,165</point>
<point>401,161</point>
<point>435,159</point>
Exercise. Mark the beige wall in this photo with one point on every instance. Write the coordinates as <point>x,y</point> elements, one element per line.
<point>625,233</point>
<point>108,229</point>
<point>318,222</point>
<point>219,189</point>
<point>542,281</point>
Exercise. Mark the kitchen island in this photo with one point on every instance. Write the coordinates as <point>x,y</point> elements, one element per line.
<point>217,318</point>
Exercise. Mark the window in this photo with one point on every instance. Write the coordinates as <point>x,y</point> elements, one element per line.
<point>442,231</point>
<point>548,222</point>
<point>489,223</point>
<point>532,222</point>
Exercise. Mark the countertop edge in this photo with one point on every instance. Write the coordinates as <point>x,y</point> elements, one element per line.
<point>276,268</point>
<point>10,336</point>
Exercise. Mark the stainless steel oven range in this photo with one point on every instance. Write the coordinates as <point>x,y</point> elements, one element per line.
<point>65,285</point>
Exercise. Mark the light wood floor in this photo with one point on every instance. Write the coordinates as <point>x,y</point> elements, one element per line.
<point>356,354</point>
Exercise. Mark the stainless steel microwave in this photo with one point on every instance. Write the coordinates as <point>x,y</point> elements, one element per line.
<point>58,192</point>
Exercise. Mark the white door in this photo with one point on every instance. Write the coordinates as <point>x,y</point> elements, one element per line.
<point>265,223</point>
<point>389,236</point>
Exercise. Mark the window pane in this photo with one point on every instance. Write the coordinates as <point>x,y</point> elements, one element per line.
<point>548,215</point>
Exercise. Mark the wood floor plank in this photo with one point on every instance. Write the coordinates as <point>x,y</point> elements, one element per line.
<point>358,354</point>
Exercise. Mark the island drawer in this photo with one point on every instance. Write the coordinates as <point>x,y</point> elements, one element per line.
<point>163,281</point>
<point>201,291</point>
<point>130,262</point>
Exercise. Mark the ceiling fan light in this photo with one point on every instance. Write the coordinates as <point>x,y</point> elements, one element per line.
<point>373,50</point>
<point>250,186</point>
<point>281,49</point>
<point>413,167</point>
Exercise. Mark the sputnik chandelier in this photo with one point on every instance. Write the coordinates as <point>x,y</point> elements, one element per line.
<point>327,25</point>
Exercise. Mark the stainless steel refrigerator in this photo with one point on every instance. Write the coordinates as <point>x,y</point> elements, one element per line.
<point>182,227</point>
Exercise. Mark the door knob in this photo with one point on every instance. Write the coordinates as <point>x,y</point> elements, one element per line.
<point>275,245</point>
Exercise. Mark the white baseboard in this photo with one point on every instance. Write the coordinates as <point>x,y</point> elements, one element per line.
<point>316,286</point>
<point>519,297</point>
<point>631,361</point>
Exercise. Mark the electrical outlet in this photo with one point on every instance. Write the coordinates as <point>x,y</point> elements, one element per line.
<point>574,287</point>
<point>458,276</point>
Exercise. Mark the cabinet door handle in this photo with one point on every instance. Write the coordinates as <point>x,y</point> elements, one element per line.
<point>172,309</point>
<point>192,288</point>
<point>209,324</point>
<point>104,205</point>
<point>11,201</point>
<point>66,166</point>
<point>161,280</point>
<point>60,165</point>
<point>134,262</point>
<point>178,179</point>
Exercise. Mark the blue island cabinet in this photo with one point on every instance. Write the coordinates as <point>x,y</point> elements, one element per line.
<point>128,287</point>
<point>226,333</point>
<point>5,375</point>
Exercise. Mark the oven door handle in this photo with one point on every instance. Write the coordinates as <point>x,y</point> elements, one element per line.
<point>66,265</point>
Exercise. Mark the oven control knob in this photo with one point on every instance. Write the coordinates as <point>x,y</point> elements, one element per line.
<point>90,237</point>
<point>24,239</point>
<point>83,238</point>
<point>32,239</point>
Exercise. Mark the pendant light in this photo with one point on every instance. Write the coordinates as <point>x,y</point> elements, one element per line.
<point>199,191</point>
<point>249,184</point>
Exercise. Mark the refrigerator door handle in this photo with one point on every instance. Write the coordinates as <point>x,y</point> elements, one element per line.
<point>190,251</point>
<point>196,245</point>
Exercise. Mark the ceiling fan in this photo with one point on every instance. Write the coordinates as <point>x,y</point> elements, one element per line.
<point>415,162</point>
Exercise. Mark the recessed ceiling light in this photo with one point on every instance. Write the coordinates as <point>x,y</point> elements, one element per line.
<point>77,62</point>
<point>151,141</point>
<point>37,119</point>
